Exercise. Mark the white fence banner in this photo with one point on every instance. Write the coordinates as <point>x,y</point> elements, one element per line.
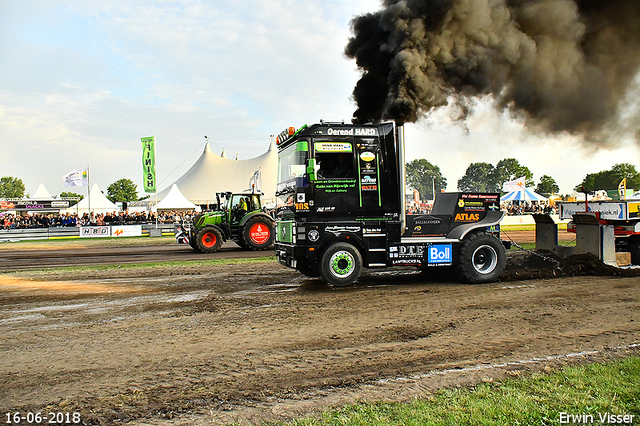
<point>126,231</point>
<point>95,231</point>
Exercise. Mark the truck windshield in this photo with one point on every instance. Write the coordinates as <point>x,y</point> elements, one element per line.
<point>292,161</point>
<point>334,159</point>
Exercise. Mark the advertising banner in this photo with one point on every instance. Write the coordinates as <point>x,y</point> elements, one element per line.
<point>126,231</point>
<point>149,163</point>
<point>95,231</point>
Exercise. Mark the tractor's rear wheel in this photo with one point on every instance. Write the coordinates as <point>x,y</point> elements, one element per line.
<point>209,239</point>
<point>257,233</point>
<point>482,258</point>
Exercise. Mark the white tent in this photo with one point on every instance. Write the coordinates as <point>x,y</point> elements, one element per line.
<point>175,200</point>
<point>523,194</point>
<point>41,194</point>
<point>99,203</point>
<point>212,173</point>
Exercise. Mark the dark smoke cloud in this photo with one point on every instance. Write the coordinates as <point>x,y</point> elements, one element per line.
<point>564,65</point>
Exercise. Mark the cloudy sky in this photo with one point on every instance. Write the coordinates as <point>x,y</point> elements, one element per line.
<point>82,82</point>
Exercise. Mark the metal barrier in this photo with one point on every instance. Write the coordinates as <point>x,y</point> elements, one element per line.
<point>7,235</point>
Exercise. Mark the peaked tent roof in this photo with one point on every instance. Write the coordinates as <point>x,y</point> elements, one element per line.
<point>41,193</point>
<point>523,194</point>
<point>212,173</point>
<point>99,203</point>
<point>175,200</point>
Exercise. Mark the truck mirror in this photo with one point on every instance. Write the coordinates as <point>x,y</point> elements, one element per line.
<point>311,169</point>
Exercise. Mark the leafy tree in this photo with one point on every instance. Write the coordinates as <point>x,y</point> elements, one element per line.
<point>11,187</point>
<point>122,190</point>
<point>510,169</point>
<point>423,176</point>
<point>479,177</point>
<point>547,185</point>
<point>610,179</point>
<point>71,195</point>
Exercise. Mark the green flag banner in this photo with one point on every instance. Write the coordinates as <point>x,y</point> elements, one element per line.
<point>149,163</point>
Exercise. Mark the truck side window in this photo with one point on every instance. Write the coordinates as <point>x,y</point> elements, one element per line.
<point>334,165</point>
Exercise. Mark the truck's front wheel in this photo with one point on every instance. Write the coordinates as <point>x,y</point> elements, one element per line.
<point>482,258</point>
<point>341,264</point>
<point>209,239</point>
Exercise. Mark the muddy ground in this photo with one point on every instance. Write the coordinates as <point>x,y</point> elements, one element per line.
<point>254,342</point>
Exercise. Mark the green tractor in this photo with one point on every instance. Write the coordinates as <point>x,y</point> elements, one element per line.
<point>240,218</point>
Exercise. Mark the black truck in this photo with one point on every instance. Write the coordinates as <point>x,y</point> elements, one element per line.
<point>341,207</point>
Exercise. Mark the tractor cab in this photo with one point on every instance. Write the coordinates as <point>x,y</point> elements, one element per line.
<point>237,206</point>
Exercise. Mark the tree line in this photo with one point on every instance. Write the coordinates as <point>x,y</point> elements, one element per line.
<point>485,177</point>
<point>119,191</point>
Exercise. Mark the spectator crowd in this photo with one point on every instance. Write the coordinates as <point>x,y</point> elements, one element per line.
<point>528,208</point>
<point>56,220</point>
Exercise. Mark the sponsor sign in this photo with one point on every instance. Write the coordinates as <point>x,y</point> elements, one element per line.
<point>353,131</point>
<point>440,253</point>
<point>126,231</point>
<point>407,255</point>
<point>333,147</point>
<point>607,210</point>
<point>339,229</point>
<point>369,183</point>
<point>467,217</point>
<point>33,205</point>
<point>367,156</point>
<point>259,233</point>
<point>95,231</point>
<point>149,163</point>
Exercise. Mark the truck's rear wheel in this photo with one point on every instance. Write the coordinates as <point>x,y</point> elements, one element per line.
<point>482,258</point>
<point>209,239</point>
<point>257,233</point>
<point>341,264</point>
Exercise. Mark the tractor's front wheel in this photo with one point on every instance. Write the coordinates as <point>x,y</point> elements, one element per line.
<point>209,239</point>
<point>341,264</point>
<point>482,258</point>
<point>257,233</point>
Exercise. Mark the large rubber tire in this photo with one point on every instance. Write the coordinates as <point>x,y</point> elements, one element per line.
<point>209,239</point>
<point>194,243</point>
<point>482,258</point>
<point>341,264</point>
<point>257,233</point>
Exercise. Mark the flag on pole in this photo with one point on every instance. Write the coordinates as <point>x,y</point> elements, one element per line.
<point>254,182</point>
<point>78,177</point>
<point>622,189</point>
<point>149,163</point>
<point>514,185</point>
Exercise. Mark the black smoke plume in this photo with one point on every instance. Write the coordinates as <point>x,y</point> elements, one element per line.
<point>563,65</point>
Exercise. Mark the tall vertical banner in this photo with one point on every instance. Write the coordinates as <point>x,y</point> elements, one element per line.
<point>622,189</point>
<point>149,163</point>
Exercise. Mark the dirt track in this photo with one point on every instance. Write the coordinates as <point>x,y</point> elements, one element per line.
<point>259,342</point>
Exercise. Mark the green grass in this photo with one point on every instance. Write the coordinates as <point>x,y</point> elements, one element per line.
<point>594,389</point>
<point>530,227</point>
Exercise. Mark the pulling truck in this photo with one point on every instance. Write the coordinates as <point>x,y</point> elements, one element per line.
<point>341,207</point>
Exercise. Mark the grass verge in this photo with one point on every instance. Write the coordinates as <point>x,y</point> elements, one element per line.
<point>590,391</point>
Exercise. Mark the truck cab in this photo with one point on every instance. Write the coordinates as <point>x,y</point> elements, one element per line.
<point>340,207</point>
